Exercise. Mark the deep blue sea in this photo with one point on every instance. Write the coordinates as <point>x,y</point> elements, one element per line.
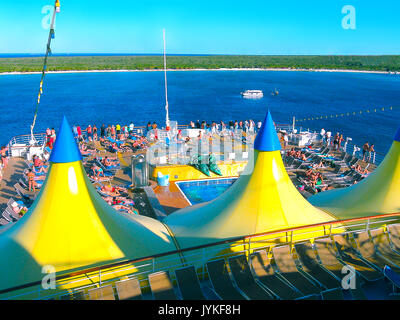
<point>205,95</point>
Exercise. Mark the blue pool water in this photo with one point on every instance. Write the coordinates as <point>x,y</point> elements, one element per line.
<point>112,98</point>
<point>203,191</point>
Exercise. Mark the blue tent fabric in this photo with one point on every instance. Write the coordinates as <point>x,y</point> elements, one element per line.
<point>397,135</point>
<point>65,148</point>
<point>267,138</point>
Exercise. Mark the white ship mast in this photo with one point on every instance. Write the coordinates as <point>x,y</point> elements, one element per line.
<point>165,82</point>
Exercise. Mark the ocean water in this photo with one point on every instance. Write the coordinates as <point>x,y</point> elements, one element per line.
<point>111,98</point>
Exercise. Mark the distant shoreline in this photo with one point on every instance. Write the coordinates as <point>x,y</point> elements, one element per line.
<point>205,69</point>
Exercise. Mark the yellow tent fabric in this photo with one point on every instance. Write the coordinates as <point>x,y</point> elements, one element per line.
<point>70,227</point>
<point>262,199</point>
<point>379,193</point>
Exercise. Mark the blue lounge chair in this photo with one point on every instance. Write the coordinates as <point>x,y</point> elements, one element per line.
<point>393,277</point>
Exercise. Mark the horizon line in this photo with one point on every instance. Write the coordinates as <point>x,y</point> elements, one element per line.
<point>182,54</point>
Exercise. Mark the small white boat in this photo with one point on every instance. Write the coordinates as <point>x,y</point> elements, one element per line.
<point>253,94</point>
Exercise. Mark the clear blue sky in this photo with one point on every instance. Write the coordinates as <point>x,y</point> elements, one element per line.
<point>215,27</point>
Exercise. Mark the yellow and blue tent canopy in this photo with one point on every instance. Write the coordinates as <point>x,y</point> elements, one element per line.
<point>262,199</point>
<point>374,195</point>
<point>70,227</point>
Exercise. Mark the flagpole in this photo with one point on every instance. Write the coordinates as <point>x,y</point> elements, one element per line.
<point>165,82</point>
<point>48,51</point>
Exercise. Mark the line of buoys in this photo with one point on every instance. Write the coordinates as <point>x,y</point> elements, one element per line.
<point>346,114</point>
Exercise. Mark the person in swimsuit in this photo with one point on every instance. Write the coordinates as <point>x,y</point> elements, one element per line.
<point>4,158</point>
<point>31,180</point>
<point>365,150</point>
<point>18,209</point>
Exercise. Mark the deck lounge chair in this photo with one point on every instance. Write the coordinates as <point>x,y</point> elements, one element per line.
<point>23,193</point>
<point>394,236</point>
<point>332,294</point>
<point>105,169</point>
<point>4,222</point>
<point>368,251</point>
<point>102,293</point>
<point>311,297</point>
<point>219,276</point>
<point>358,293</point>
<point>351,257</point>
<point>289,161</point>
<point>245,281</point>
<point>287,267</point>
<point>12,213</point>
<point>353,162</point>
<point>79,295</point>
<point>393,277</point>
<point>321,151</point>
<point>128,289</point>
<point>328,256</point>
<point>188,284</point>
<point>296,165</point>
<point>268,277</point>
<point>161,286</point>
<point>310,264</point>
<point>382,244</point>
<point>7,216</point>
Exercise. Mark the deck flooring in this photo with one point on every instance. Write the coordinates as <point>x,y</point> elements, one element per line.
<point>11,174</point>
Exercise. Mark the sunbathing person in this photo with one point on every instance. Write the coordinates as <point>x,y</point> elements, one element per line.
<point>38,165</point>
<point>320,164</point>
<point>360,170</point>
<point>113,191</point>
<point>120,207</point>
<point>110,162</point>
<point>324,188</point>
<point>31,180</point>
<point>19,208</point>
<point>113,148</point>
<point>97,171</point>
<point>119,200</point>
<point>84,150</point>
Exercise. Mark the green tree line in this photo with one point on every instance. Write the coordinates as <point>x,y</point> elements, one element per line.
<point>79,63</point>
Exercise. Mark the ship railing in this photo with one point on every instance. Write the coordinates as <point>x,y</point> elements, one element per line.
<point>350,148</point>
<point>356,151</point>
<point>140,268</point>
<point>19,145</point>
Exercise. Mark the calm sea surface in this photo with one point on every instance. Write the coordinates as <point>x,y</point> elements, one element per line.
<point>88,98</point>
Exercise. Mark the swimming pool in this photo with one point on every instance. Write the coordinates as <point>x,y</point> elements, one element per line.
<point>199,191</point>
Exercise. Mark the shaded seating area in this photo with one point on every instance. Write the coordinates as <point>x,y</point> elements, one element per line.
<point>352,257</point>
<point>382,244</point>
<point>128,289</point>
<point>332,294</point>
<point>306,271</point>
<point>188,284</point>
<point>102,293</point>
<point>311,266</point>
<point>287,267</point>
<point>394,237</point>
<point>368,251</point>
<point>245,281</point>
<point>161,286</point>
<point>221,281</point>
<point>267,276</point>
